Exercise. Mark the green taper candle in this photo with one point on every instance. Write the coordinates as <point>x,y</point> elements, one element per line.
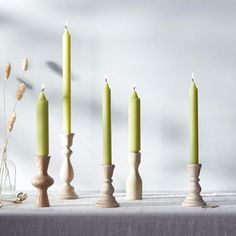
<point>66,83</point>
<point>42,125</point>
<point>134,122</point>
<point>193,106</point>
<point>106,120</point>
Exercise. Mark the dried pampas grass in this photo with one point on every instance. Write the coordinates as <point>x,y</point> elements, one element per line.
<point>20,91</point>
<point>11,122</point>
<point>8,71</point>
<point>25,64</point>
<point>5,178</point>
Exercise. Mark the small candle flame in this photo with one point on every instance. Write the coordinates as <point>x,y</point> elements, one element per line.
<point>193,76</point>
<point>42,87</point>
<point>106,78</point>
<point>66,24</point>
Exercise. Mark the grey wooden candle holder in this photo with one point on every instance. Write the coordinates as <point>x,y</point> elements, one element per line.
<point>134,181</point>
<point>67,172</point>
<point>107,200</point>
<point>42,181</point>
<point>194,198</point>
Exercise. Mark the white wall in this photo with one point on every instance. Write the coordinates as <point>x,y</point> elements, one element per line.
<point>157,44</point>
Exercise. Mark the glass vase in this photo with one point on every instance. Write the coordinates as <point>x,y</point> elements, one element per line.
<point>7,178</point>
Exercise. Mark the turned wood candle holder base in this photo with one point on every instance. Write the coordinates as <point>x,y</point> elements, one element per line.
<point>68,192</point>
<point>107,200</point>
<point>67,173</point>
<point>42,181</point>
<point>134,181</point>
<point>194,198</point>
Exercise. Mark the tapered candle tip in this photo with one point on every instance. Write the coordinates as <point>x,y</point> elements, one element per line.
<point>42,87</point>
<point>106,78</point>
<point>193,76</point>
<point>134,87</point>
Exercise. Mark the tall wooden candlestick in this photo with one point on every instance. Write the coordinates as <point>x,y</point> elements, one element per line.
<point>42,181</point>
<point>107,200</point>
<point>134,181</point>
<point>194,198</point>
<point>67,172</point>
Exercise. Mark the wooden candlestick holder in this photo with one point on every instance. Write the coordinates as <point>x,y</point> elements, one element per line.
<point>107,200</point>
<point>194,198</point>
<point>134,181</point>
<point>67,172</point>
<point>42,181</point>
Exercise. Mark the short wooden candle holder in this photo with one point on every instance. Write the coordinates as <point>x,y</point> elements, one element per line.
<point>67,172</point>
<point>194,198</point>
<point>42,181</point>
<point>107,200</point>
<point>134,181</point>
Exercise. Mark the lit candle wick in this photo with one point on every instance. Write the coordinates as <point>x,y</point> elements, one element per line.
<point>66,24</point>
<point>193,76</point>
<point>106,78</point>
<point>42,87</point>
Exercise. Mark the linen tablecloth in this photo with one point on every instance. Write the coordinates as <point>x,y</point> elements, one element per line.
<point>156,214</point>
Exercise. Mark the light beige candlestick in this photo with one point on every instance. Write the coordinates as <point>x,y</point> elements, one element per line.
<point>42,181</point>
<point>107,200</point>
<point>134,181</point>
<point>194,198</point>
<point>67,172</point>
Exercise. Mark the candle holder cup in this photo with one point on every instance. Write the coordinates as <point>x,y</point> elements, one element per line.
<point>134,181</point>
<point>107,200</point>
<point>194,198</point>
<point>67,172</point>
<point>42,181</point>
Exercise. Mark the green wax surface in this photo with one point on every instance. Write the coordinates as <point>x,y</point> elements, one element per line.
<point>134,122</point>
<point>193,122</point>
<point>42,146</point>
<point>66,83</point>
<point>106,121</point>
